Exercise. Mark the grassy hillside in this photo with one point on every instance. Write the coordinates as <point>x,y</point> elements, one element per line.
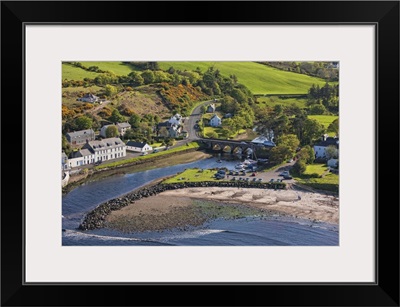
<point>117,68</point>
<point>70,72</point>
<point>274,100</point>
<point>325,120</point>
<point>260,79</point>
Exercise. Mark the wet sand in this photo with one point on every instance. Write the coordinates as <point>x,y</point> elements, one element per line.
<point>192,207</point>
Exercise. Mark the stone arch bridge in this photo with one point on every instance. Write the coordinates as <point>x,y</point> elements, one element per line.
<point>237,147</point>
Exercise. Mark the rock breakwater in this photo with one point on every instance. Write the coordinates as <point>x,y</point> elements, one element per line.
<point>96,218</point>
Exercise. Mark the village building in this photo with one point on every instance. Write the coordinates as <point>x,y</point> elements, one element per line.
<point>89,98</point>
<point>321,147</point>
<point>215,121</point>
<point>138,146</point>
<point>263,141</point>
<point>122,127</point>
<point>80,137</point>
<point>211,108</point>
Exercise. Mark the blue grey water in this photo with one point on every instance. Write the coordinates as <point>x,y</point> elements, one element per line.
<point>249,231</point>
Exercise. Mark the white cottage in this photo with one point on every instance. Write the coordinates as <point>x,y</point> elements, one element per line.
<point>320,147</point>
<point>215,121</point>
<point>138,146</point>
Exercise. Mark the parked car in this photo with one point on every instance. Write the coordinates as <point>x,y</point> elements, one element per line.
<point>287,177</point>
<point>144,153</point>
<point>284,173</point>
<point>98,162</point>
<point>155,150</point>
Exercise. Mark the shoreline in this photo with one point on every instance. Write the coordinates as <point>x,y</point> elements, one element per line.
<point>192,207</point>
<point>186,157</point>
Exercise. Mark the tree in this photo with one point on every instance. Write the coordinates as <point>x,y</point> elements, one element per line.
<point>169,142</point>
<point>66,147</point>
<point>134,120</point>
<point>163,132</point>
<point>116,117</point>
<point>307,154</point>
<point>83,123</point>
<point>331,152</point>
<point>203,109</point>
<point>229,105</point>
<point>239,95</point>
<point>279,153</point>
<point>299,168</point>
<point>111,131</point>
<point>291,141</point>
<point>148,76</point>
<point>334,127</point>
<point>110,90</point>
<point>135,78</point>
<point>317,109</point>
<point>312,130</point>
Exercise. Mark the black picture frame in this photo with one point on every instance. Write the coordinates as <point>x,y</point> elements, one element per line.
<point>383,14</point>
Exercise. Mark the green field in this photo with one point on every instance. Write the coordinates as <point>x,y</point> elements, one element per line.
<point>275,100</point>
<point>329,181</point>
<point>193,175</point>
<point>117,68</point>
<point>260,79</point>
<point>325,120</point>
<point>70,72</point>
<point>318,168</point>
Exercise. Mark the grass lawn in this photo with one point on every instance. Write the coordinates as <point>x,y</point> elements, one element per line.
<point>274,100</point>
<point>325,120</point>
<point>117,68</point>
<point>193,175</point>
<point>260,79</point>
<point>319,169</point>
<point>70,72</point>
<point>149,156</point>
<point>330,181</point>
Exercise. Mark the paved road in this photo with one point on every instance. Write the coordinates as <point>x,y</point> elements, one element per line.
<point>190,122</point>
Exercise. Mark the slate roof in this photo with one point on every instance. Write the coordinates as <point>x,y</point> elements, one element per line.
<point>136,144</point>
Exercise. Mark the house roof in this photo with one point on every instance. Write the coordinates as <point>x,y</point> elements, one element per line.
<point>328,142</point>
<point>106,144</point>
<point>124,125</point>
<point>85,152</point>
<point>215,116</point>
<point>136,144</point>
<point>90,96</point>
<point>81,133</point>
<point>164,124</point>
<point>263,140</point>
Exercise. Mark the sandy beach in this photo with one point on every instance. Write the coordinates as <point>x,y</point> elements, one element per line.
<point>183,207</point>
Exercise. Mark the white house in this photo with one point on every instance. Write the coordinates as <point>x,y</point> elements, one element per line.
<point>122,127</point>
<point>211,108</point>
<point>106,149</point>
<point>89,98</point>
<point>80,158</point>
<point>215,121</point>
<point>138,146</point>
<point>320,147</point>
<point>176,119</point>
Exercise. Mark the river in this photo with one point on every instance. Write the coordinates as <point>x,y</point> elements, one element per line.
<point>249,231</point>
